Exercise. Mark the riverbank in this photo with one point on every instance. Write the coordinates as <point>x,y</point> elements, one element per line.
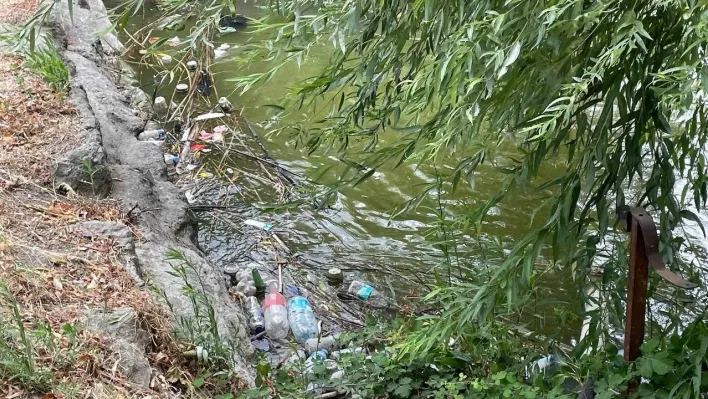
<point>96,245</point>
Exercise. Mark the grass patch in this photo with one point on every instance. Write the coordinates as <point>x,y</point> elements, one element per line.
<point>36,357</point>
<point>47,64</point>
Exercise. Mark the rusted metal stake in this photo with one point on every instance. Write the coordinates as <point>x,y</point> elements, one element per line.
<point>643,251</point>
<point>636,294</point>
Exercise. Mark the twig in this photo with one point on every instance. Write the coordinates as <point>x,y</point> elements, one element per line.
<point>205,207</point>
<point>127,215</point>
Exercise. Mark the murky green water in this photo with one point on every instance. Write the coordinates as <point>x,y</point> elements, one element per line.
<point>355,233</point>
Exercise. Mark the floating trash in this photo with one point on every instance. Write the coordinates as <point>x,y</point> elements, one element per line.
<point>157,134</point>
<point>225,104</point>
<point>276,314</point>
<point>328,342</point>
<point>205,136</point>
<point>256,320</point>
<point>361,290</point>
<point>197,147</point>
<point>219,132</point>
<point>211,115</point>
<point>219,53</point>
<point>166,59</point>
<point>174,42</point>
<point>334,276</point>
<point>204,83</point>
<point>171,159</point>
<point>192,65</point>
<point>182,88</point>
<point>258,224</point>
<point>232,23</point>
<point>160,107</point>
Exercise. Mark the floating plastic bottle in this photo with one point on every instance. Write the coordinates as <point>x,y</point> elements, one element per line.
<point>275,314</point>
<point>302,319</point>
<point>256,320</point>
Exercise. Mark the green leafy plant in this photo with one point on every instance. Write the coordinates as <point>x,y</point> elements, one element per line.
<point>498,364</point>
<point>90,170</point>
<point>212,352</point>
<point>47,63</point>
<point>31,354</point>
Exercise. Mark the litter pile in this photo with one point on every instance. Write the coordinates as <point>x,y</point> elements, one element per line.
<point>284,325</point>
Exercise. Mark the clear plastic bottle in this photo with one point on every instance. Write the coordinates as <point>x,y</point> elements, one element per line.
<point>276,315</point>
<point>256,320</point>
<point>302,319</point>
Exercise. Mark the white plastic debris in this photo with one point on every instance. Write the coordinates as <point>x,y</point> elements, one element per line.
<point>258,224</point>
<point>211,115</point>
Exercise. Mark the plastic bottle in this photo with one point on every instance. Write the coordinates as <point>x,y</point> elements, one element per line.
<point>258,282</point>
<point>302,319</point>
<point>328,342</point>
<point>157,134</point>
<point>361,290</point>
<point>276,315</point>
<point>256,320</point>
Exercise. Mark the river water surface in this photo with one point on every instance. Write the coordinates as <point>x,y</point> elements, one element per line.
<point>355,232</point>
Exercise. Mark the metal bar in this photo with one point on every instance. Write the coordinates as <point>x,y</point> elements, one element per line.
<point>636,294</point>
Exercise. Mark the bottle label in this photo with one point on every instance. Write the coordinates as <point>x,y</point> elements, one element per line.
<point>364,292</point>
<point>273,299</point>
<point>299,303</point>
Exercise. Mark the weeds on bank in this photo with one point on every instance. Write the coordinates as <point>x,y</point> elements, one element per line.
<point>46,63</point>
<point>492,363</point>
<point>37,358</point>
<point>208,355</point>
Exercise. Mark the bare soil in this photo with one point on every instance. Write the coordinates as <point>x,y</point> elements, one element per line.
<point>54,273</point>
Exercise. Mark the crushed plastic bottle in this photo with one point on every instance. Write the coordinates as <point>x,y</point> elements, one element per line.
<point>302,319</point>
<point>275,314</point>
<point>256,319</point>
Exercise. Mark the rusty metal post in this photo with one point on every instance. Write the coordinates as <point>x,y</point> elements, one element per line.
<point>636,294</point>
<point>643,251</point>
